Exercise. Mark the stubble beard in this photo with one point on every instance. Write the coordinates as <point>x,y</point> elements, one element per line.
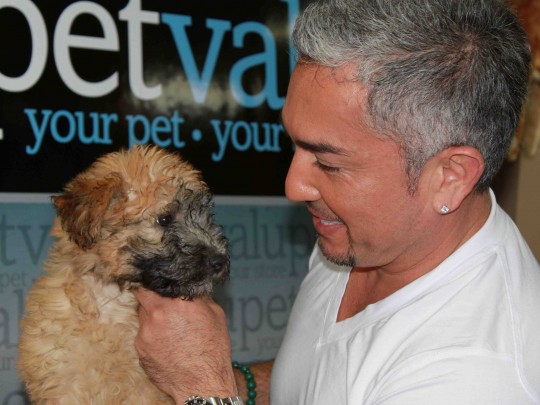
<point>345,259</point>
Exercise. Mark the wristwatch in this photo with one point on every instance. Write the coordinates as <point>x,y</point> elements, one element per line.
<point>196,400</point>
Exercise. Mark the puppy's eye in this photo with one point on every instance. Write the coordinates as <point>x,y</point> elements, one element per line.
<point>164,220</point>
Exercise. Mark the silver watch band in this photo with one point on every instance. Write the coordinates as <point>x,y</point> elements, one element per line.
<point>196,400</point>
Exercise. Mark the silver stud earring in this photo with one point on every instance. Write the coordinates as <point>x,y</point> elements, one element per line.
<point>445,209</point>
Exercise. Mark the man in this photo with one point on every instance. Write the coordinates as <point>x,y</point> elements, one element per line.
<point>421,289</point>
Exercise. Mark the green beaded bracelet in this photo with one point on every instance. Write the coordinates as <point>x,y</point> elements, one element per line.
<point>250,381</point>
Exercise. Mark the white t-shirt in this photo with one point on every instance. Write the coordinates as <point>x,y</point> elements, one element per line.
<point>468,332</point>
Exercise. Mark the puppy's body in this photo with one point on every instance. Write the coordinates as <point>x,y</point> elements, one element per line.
<point>137,218</point>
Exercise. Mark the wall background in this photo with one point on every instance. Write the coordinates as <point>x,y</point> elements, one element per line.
<point>527,214</point>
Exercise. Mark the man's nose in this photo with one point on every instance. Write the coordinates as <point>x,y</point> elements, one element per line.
<point>300,181</point>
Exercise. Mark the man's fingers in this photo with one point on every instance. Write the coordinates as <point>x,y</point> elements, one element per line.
<point>146,297</point>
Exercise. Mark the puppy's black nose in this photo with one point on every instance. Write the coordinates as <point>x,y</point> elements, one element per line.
<point>217,262</point>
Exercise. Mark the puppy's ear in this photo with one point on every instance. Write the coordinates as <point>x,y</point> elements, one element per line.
<point>83,206</point>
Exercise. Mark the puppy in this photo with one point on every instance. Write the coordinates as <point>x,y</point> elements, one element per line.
<point>135,218</point>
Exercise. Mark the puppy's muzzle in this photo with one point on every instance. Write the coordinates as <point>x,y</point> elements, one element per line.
<point>219,264</point>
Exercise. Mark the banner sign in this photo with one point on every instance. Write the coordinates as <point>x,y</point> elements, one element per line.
<point>207,78</point>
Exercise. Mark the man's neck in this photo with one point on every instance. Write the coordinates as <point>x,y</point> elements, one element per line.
<point>367,286</point>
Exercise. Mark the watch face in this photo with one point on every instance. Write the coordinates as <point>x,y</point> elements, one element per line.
<point>196,401</point>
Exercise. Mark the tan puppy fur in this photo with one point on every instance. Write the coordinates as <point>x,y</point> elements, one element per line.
<point>134,218</point>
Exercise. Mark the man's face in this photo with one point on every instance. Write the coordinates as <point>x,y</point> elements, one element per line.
<point>354,182</point>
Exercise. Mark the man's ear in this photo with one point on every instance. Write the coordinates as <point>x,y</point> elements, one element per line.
<point>455,172</point>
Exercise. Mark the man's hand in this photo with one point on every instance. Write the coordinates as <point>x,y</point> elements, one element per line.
<point>184,346</point>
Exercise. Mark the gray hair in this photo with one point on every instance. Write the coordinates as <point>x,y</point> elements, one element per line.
<point>439,73</point>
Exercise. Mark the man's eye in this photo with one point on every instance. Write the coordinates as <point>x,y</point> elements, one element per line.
<point>325,168</point>
<point>164,220</point>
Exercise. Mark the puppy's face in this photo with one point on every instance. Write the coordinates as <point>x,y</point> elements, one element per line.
<point>144,217</point>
